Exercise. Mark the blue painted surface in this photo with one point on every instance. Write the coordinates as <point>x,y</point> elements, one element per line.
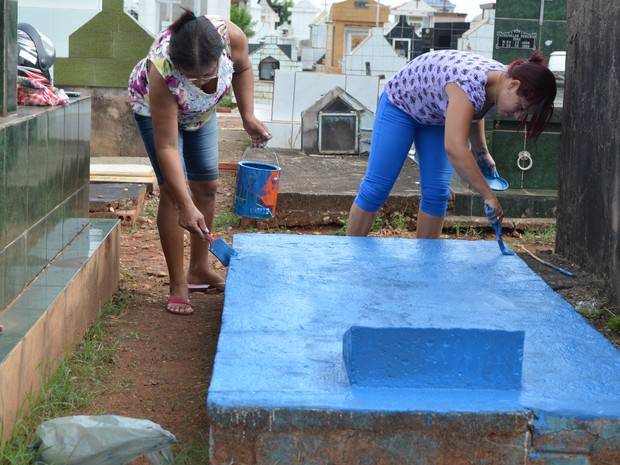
<point>290,299</point>
<point>433,358</point>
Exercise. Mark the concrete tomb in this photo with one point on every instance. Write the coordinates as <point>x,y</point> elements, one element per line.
<point>374,351</point>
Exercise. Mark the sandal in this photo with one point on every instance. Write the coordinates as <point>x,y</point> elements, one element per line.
<point>219,287</point>
<point>178,306</point>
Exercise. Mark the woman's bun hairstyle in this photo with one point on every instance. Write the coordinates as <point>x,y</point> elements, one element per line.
<point>194,41</point>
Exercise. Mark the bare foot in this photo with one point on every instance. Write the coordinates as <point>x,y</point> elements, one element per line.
<point>208,277</point>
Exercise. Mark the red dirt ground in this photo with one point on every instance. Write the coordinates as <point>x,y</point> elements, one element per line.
<point>163,362</point>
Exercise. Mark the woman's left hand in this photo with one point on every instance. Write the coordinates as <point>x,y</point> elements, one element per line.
<point>258,132</point>
<point>486,163</point>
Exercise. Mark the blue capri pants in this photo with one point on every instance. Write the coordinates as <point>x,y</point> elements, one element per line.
<point>394,131</point>
<point>198,149</point>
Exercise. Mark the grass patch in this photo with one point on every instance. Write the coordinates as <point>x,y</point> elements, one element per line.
<point>343,229</point>
<point>226,219</point>
<point>614,324</point>
<point>466,231</point>
<point>591,312</point>
<point>544,236</point>
<point>149,209</point>
<point>75,383</point>
<point>195,453</point>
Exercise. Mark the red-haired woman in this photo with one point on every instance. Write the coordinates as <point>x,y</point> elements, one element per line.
<point>173,93</point>
<point>437,102</point>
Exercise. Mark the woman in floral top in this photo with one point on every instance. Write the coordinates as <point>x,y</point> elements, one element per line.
<point>173,93</point>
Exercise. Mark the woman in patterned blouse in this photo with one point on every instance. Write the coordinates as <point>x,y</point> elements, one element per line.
<point>438,102</point>
<point>173,93</point>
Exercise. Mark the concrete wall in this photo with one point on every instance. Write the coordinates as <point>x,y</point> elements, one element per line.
<point>589,186</point>
<point>114,132</point>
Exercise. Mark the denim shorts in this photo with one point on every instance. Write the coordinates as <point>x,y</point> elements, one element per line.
<point>198,149</point>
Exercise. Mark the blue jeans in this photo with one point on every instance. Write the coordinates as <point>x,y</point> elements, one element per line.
<point>198,149</point>
<point>393,133</point>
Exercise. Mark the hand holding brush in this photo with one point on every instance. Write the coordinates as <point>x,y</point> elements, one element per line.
<point>222,251</point>
<point>497,226</point>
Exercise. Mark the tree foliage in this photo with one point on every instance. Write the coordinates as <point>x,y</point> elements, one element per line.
<point>283,12</point>
<point>242,18</point>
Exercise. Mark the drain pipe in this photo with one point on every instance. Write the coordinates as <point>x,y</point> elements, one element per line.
<point>540,22</point>
<point>378,8</point>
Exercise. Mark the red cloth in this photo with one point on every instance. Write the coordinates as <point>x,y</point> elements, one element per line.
<point>38,90</point>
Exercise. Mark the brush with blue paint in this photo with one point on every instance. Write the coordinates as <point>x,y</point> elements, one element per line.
<point>497,226</point>
<point>222,251</point>
<point>546,263</point>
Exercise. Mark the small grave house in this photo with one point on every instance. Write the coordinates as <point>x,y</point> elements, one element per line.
<point>336,123</point>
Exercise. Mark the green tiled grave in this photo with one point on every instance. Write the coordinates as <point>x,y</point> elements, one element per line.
<point>554,10</point>
<point>16,172</point>
<point>57,266</point>
<point>43,188</point>
<point>533,191</point>
<point>103,51</point>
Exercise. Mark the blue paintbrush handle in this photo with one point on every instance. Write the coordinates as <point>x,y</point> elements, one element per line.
<point>557,268</point>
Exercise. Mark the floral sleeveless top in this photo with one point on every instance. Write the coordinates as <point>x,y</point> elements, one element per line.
<point>195,105</point>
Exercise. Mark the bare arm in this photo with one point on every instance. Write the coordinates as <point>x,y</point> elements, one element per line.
<point>477,137</point>
<point>480,150</point>
<point>458,130</point>
<point>165,127</point>
<point>243,85</point>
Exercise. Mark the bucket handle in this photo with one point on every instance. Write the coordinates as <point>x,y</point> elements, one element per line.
<point>268,149</point>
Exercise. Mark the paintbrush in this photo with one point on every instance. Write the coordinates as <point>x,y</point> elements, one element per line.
<point>222,251</point>
<point>497,226</point>
<point>550,265</point>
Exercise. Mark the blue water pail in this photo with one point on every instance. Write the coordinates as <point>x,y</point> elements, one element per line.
<point>256,192</point>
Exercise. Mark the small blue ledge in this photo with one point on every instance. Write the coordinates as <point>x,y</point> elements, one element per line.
<point>433,358</point>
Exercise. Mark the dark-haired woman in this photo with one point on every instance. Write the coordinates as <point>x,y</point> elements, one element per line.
<point>438,102</point>
<point>173,93</point>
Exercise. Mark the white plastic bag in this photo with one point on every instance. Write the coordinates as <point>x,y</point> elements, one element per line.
<point>101,440</point>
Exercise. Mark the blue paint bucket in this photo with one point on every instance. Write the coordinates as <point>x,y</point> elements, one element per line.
<point>256,192</point>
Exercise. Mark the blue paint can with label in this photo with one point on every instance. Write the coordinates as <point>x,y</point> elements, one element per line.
<point>256,191</point>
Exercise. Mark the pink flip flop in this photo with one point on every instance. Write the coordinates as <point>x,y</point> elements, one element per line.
<point>172,306</point>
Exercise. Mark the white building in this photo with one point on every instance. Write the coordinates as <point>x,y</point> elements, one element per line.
<point>302,15</point>
<point>315,50</point>
<point>419,14</point>
<point>480,36</point>
<point>374,56</point>
<point>264,19</point>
